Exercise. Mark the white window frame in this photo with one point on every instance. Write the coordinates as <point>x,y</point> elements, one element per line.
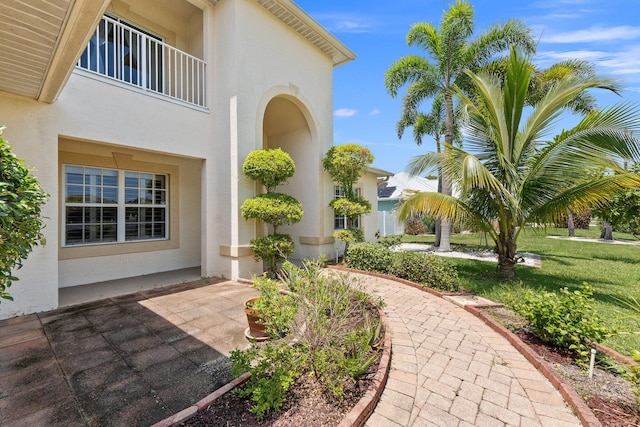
<point>154,200</point>
<point>340,221</point>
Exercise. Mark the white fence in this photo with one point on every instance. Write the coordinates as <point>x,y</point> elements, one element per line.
<point>388,223</point>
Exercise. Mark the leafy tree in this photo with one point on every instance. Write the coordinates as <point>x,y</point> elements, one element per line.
<point>623,211</point>
<point>451,51</point>
<point>21,201</point>
<point>271,167</point>
<point>509,175</point>
<point>346,163</point>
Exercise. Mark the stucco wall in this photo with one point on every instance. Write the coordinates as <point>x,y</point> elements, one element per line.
<point>252,57</point>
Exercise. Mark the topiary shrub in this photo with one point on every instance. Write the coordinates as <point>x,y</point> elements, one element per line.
<point>428,270</point>
<point>21,201</point>
<point>271,167</point>
<point>369,257</point>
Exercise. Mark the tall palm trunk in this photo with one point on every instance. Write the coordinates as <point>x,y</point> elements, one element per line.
<point>438,220</point>
<point>445,224</point>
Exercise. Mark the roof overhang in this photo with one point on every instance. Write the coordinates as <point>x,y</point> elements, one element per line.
<point>379,172</point>
<point>296,18</point>
<point>41,41</point>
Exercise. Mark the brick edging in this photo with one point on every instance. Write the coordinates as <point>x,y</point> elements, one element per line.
<point>576,402</point>
<point>360,413</point>
<point>568,393</point>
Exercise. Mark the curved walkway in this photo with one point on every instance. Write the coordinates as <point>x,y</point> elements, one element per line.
<point>450,369</point>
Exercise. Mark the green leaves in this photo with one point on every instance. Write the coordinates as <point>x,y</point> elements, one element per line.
<point>273,208</point>
<point>270,166</point>
<point>21,201</point>
<point>567,319</point>
<point>346,163</point>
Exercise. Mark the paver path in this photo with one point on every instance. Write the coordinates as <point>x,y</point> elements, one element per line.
<point>450,369</point>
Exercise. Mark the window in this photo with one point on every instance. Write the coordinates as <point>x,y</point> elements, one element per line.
<point>113,206</point>
<point>340,222</point>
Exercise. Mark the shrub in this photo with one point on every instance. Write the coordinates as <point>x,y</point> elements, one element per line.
<point>271,167</point>
<point>414,227</point>
<point>567,319</point>
<point>369,257</point>
<point>21,201</point>
<point>273,208</point>
<point>428,270</point>
<point>334,338</point>
<point>390,241</point>
<point>272,249</point>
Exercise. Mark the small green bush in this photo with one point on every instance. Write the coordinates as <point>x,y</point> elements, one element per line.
<point>567,319</point>
<point>270,166</point>
<point>389,241</point>
<point>428,270</point>
<point>272,249</point>
<point>369,257</point>
<point>273,208</point>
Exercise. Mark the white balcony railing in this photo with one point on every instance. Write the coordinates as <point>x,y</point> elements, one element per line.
<point>123,52</point>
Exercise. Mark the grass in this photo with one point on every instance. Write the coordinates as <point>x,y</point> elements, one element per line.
<point>613,270</point>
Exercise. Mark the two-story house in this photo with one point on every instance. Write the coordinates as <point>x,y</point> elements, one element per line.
<point>136,116</point>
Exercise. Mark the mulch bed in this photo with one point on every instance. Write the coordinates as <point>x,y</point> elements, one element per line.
<point>306,405</point>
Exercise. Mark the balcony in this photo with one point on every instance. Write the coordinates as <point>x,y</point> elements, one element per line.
<point>123,52</point>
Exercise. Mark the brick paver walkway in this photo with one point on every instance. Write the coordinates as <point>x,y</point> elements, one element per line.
<point>450,369</point>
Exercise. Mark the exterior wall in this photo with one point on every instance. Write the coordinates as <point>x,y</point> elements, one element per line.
<point>96,120</point>
<point>387,205</point>
<point>270,61</point>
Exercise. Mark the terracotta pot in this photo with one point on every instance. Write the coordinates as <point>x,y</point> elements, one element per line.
<point>256,329</point>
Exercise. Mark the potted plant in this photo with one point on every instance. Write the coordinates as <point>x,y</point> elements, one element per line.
<point>269,313</point>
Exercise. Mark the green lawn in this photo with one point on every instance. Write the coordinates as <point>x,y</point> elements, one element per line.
<point>613,270</point>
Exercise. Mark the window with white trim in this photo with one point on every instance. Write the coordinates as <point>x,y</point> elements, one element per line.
<point>340,221</point>
<point>104,206</point>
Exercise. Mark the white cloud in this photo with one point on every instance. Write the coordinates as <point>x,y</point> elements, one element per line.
<point>622,63</point>
<point>345,23</point>
<point>594,34</point>
<point>374,112</point>
<point>345,112</point>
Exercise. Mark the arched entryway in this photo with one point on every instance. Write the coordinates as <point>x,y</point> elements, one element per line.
<point>286,126</point>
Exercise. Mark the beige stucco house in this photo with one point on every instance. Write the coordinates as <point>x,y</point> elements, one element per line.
<point>137,115</point>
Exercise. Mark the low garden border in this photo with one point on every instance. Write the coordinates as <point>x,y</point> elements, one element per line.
<point>354,418</point>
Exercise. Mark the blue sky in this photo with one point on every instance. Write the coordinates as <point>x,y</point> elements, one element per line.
<point>606,33</point>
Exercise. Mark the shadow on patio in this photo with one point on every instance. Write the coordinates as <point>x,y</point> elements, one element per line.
<point>131,360</point>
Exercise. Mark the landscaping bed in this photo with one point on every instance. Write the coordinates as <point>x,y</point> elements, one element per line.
<point>608,394</point>
<point>306,405</point>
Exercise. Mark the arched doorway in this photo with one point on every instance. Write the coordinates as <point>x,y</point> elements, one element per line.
<point>285,126</point>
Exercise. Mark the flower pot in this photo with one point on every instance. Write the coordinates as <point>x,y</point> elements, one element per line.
<point>256,329</point>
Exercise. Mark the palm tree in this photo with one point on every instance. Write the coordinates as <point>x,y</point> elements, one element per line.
<point>451,51</point>
<point>510,175</point>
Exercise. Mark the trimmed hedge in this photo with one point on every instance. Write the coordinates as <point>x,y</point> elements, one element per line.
<point>369,257</point>
<point>428,270</point>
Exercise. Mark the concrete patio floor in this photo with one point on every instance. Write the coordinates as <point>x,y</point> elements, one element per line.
<point>130,360</point>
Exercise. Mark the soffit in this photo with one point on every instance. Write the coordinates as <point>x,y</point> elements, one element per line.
<point>41,41</point>
<point>296,18</point>
<point>29,33</point>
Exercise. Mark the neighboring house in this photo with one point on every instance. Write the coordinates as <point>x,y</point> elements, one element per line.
<point>391,192</point>
<point>137,115</point>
